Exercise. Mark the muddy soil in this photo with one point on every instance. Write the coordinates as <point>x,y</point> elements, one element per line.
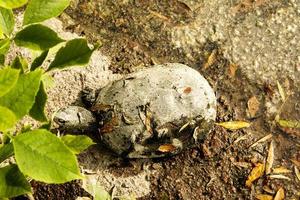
<point>138,34</point>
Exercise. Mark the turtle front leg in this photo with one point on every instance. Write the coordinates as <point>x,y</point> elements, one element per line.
<point>88,96</point>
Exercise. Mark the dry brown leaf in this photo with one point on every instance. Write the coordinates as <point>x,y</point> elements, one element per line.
<point>279,176</point>
<point>263,139</point>
<point>277,118</point>
<point>280,194</point>
<point>281,91</point>
<point>295,162</point>
<point>234,125</point>
<point>255,174</point>
<point>155,61</point>
<point>165,148</point>
<point>244,137</point>
<point>142,114</point>
<point>281,170</point>
<point>268,189</point>
<point>253,106</point>
<point>297,172</point>
<point>288,123</point>
<point>148,121</point>
<point>186,5</point>
<point>109,126</point>
<point>263,197</point>
<point>184,126</point>
<point>245,6</point>
<point>146,117</point>
<point>211,59</point>
<point>270,158</point>
<point>126,119</point>
<point>268,89</point>
<point>232,69</point>
<point>242,164</point>
<point>156,14</point>
<point>291,131</point>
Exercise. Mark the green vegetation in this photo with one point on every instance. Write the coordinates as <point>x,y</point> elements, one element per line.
<point>34,154</point>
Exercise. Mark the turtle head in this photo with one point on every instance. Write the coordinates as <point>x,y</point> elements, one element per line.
<point>74,118</point>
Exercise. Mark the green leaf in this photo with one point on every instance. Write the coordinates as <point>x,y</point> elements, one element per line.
<point>4,46</point>
<point>25,128</point>
<point>6,138</point>
<point>7,21</point>
<point>37,37</point>
<point>6,151</point>
<point>20,63</point>
<point>48,81</point>
<point>93,186</point>
<point>46,125</point>
<point>38,61</point>
<point>12,182</point>
<point>40,10</point>
<point>21,97</point>
<point>37,111</point>
<point>44,157</point>
<point>77,143</point>
<point>7,119</point>
<point>10,4</point>
<point>101,194</point>
<point>128,197</point>
<point>8,79</point>
<point>2,60</point>
<point>76,52</point>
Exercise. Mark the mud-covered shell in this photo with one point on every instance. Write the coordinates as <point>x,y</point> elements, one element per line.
<point>156,111</point>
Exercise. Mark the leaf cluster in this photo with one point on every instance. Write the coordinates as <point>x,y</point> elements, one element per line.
<point>36,154</point>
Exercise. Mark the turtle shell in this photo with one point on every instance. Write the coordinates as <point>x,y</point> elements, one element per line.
<point>155,112</point>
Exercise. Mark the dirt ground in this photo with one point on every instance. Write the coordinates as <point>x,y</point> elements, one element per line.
<point>140,33</point>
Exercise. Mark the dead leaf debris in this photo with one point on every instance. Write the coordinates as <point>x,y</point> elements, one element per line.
<point>234,125</point>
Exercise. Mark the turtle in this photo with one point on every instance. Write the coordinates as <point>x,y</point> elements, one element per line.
<point>155,112</point>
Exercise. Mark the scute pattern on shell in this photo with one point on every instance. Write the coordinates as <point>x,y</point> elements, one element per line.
<point>156,111</point>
